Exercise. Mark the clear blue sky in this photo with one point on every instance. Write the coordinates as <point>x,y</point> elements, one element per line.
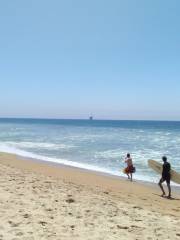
<point>66,58</point>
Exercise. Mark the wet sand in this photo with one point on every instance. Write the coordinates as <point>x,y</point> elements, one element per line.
<point>43,201</point>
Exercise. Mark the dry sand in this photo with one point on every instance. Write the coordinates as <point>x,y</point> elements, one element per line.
<point>40,201</point>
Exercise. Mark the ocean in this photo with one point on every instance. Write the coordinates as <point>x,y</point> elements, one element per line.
<point>99,145</point>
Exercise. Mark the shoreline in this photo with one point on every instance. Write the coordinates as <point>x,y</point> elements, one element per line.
<point>176,188</point>
<point>80,175</point>
<point>20,161</point>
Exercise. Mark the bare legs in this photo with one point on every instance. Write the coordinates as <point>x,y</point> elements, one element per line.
<point>169,189</point>
<point>129,176</point>
<point>162,189</point>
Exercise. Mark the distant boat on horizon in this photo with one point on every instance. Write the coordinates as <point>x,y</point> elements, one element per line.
<point>91,118</point>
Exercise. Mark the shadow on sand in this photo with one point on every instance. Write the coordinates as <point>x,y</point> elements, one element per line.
<point>165,197</point>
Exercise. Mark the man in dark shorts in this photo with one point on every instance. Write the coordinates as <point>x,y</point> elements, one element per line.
<point>166,176</point>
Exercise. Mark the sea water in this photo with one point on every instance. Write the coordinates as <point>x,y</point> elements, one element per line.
<point>95,145</point>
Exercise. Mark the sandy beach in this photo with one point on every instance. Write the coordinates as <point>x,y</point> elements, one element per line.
<point>43,201</point>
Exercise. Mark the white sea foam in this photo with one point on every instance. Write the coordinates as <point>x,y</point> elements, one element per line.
<point>109,154</point>
<point>37,145</point>
<point>6,149</point>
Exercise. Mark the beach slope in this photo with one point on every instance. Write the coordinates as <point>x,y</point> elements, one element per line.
<point>43,201</point>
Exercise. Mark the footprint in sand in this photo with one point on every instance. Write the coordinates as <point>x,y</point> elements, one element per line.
<point>43,223</point>
<point>134,226</point>
<point>69,196</point>
<point>26,215</point>
<point>139,208</point>
<point>106,193</point>
<point>111,221</point>
<point>176,210</point>
<point>125,213</point>
<point>13,224</point>
<point>49,210</point>
<point>138,220</point>
<point>91,224</point>
<point>19,234</point>
<point>122,227</point>
<point>157,230</point>
<point>72,227</point>
<point>70,200</point>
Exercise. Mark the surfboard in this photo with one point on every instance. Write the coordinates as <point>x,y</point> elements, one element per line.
<point>157,167</point>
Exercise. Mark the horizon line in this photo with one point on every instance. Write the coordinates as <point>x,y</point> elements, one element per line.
<point>86,119</point>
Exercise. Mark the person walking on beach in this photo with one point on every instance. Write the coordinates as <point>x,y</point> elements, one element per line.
<point>166,176</point>
<point>129,170</point>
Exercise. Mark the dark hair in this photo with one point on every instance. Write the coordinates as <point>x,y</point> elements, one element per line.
<point>128,155</point>
<point>164,158</point>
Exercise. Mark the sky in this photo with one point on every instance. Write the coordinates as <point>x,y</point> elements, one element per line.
<point>117,59</point>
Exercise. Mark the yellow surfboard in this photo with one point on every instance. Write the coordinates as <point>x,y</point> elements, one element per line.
<point>157,167</point>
